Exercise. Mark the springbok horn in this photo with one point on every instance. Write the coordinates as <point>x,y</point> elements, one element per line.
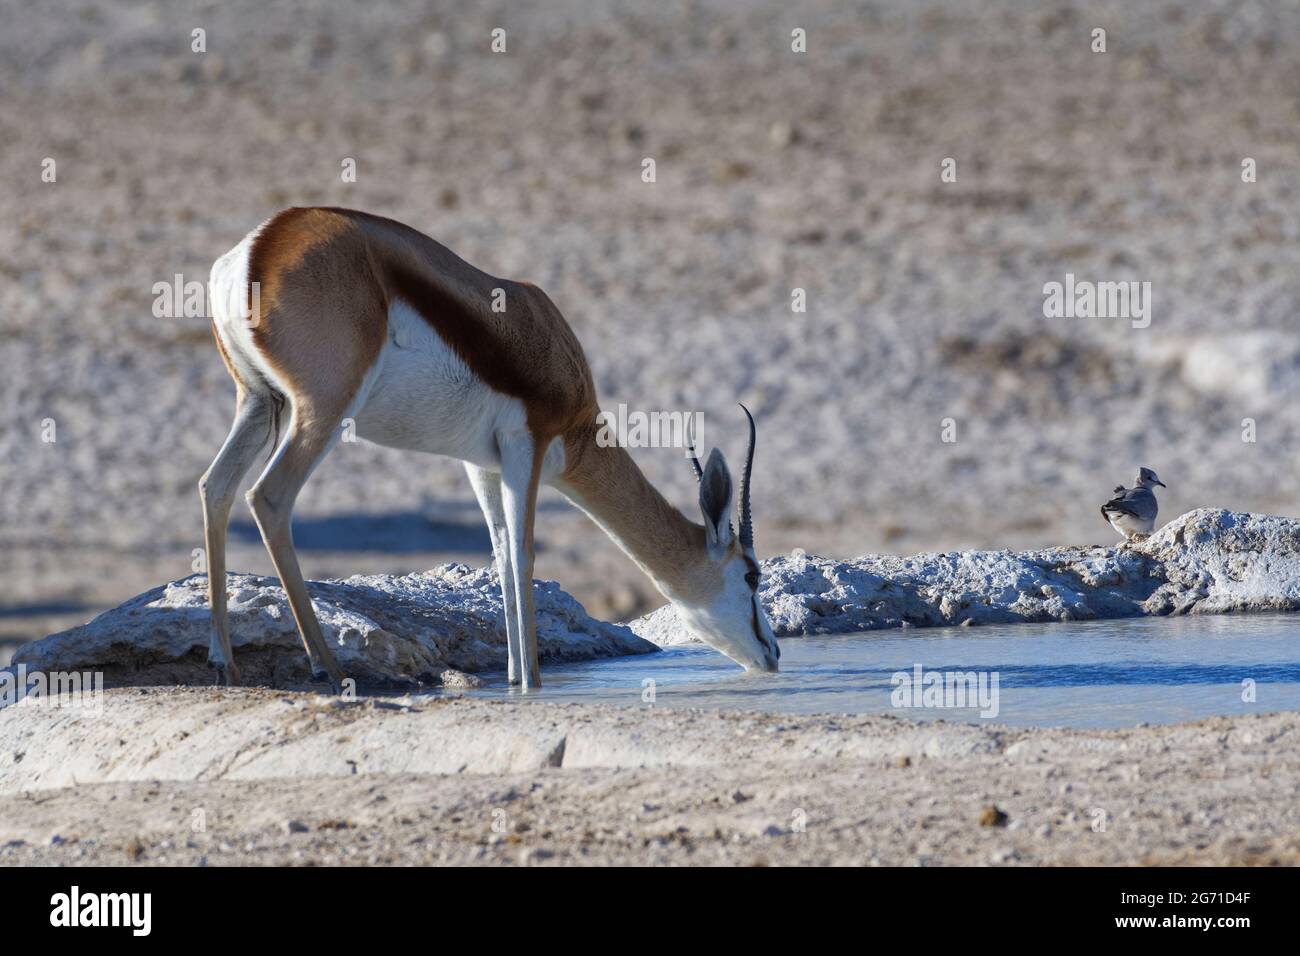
<point>695,461</point>
<point>746,522</point>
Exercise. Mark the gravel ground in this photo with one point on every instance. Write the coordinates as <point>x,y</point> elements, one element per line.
<point>706,788</point>
<point>775,170</point>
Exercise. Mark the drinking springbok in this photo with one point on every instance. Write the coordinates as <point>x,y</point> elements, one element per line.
<point>339,314</point>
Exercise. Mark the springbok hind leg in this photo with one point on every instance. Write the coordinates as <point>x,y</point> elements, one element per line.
<point>311,435</point>
<point>248,436</point>
<point>487,488</point>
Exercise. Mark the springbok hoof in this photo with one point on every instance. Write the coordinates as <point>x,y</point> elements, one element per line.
<point>227,675</point>
<point>336,683</point>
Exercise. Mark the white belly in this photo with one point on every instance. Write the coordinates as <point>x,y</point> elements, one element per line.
<point>422,396</point>
<point>1127,525</point>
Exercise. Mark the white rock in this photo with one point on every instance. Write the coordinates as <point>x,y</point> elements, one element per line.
<point>384,629</point>
<point>187,733</point>
<point>1257,366</point>
<point>1206,561</point>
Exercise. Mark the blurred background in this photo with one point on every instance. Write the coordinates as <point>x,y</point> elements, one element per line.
<point>776,170</point>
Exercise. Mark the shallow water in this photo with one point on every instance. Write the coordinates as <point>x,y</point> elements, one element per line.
<point>1097,674</point>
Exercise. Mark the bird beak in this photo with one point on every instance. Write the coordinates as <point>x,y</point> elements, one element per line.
<point>1162,484</point>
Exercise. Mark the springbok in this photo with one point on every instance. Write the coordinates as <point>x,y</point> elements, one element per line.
<point>342,314</point>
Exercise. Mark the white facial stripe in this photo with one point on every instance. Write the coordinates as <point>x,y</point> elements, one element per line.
<point>727,622</point>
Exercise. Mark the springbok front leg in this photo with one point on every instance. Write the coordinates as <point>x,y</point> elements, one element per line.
<point>248,436</point>
<point>312,433</point>
<point>520,471</point>
<point>487,488</point>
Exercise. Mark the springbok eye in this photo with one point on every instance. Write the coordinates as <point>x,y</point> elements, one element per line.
<point>751,578</point>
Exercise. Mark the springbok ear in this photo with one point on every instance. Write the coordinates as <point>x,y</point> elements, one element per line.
<point>715,500</point>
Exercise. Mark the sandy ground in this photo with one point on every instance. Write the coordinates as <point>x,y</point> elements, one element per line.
<point>631,786</point>
<point>776,170</point>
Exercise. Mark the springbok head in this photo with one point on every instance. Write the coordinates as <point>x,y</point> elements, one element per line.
<point>726,613</point>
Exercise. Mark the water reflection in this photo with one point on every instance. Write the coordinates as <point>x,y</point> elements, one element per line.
<point>1097,674</point>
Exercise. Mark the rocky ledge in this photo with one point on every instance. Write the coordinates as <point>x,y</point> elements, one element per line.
<point>1208,561</point>
<point>437,627</point>
<point>441,626</point>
